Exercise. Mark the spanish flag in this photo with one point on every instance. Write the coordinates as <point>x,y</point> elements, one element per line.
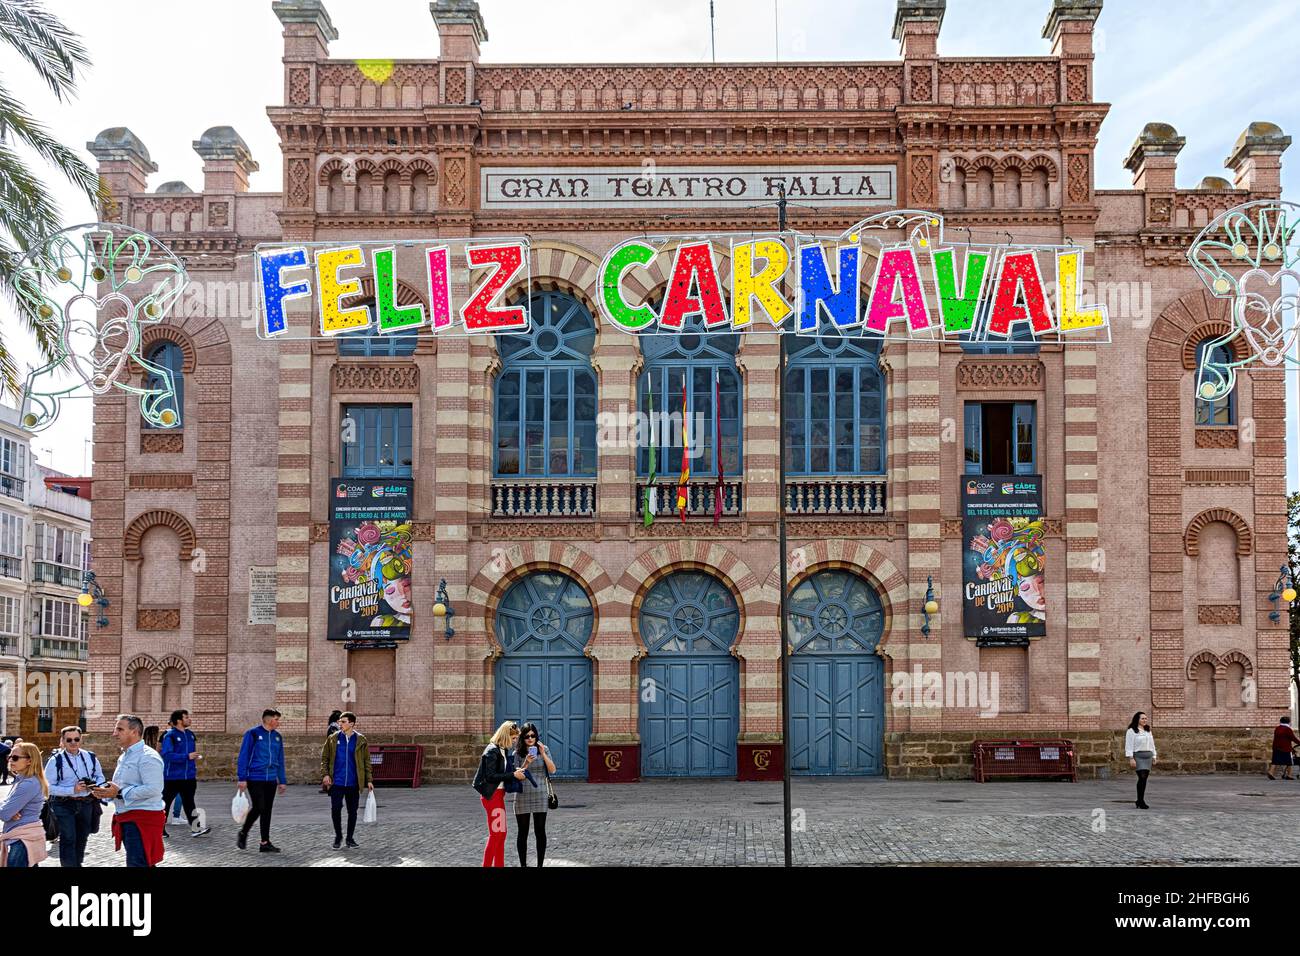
<point>686,461</point>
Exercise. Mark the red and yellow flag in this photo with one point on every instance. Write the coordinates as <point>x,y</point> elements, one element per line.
<point>686,461</point>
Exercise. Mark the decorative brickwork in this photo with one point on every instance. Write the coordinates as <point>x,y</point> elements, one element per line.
<point>151,519</point>
<point>162,443</point>
<point>376,378</point>
<point>159,481</point>
<point>157,619</point>
<point>1192,539</point>
<point>1221,614</point>
<point>1216,437</point>
<point>1004,374</point>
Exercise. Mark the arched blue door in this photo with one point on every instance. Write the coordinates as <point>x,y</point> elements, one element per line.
<point>543,623</point>
<point>690,683</point>
<point>837,701</point>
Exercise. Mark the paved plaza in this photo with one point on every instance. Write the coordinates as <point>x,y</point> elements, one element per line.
<point>1232,820</point>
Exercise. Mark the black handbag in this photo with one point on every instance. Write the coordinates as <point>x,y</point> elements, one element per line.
<point>552,801</point>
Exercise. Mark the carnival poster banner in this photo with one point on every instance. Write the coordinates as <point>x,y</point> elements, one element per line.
<point>370,560</point>
<point>1003,600</point>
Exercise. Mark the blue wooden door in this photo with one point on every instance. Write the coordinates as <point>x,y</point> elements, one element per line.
<point>836,693</point>
<point>543,624</point>
<point>690,683</point>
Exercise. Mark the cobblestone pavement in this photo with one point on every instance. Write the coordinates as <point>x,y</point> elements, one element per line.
<point>1193,820</point>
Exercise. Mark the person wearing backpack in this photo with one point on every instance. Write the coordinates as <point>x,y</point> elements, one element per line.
<point>71,804</point>
<point>22,838</point>
<point>179,750</point>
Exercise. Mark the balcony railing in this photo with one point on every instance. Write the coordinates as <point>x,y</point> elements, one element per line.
<point>57,647</point>
<point>543,499</point>
<point>57,574</point>
<point>11,567</point>
<point>699,498</point>
<point>9,645</point>
<point>835,496</point>
<point>12,487</point>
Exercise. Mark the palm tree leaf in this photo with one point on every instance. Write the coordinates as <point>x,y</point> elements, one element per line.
<point>35,135</point>
<point>50,48</point>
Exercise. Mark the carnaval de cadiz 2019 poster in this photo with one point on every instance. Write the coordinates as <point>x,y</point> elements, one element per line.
<point>370,560</point>
<point>1004,603</point>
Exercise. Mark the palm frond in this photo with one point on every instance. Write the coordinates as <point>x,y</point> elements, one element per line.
<point>49,47</point>
<point>14,117</point>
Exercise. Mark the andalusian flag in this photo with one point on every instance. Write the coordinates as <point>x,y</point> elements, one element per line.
<point>686,451</point>
<point>651,502</point>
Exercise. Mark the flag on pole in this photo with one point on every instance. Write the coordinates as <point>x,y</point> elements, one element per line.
<point>651,503</point>
<point>717,417</point>
<point>686,451</point>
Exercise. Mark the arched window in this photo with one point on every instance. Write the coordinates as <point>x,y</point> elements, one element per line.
<point>545,613</point>
<point>958,191</point>
<point>546,393</point>
<point>168,355</point>
<point>691,360</point>
<point>835,405</point>
<point>369,343</point>
<point>336,197</point>
<point>984,188</point>
<point>1219,411</point>
<point>1039,190</point>
<point>835,612</point>
<point>419,192</point>
<point>392,192</point>
<point>689,612</point>
<point>365,192</point>
<point>1012,188</point>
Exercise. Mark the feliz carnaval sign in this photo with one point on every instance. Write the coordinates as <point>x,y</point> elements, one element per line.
<point>775,283</point>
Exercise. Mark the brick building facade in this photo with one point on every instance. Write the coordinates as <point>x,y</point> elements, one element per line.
<point>1165,535</point>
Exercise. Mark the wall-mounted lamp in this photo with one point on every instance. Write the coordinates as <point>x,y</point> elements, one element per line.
<point>931,606</point>
<point>92,593</point>
<point>1283,589</point>
<point>442,608</point>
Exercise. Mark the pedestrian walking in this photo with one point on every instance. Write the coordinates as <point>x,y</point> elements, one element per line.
<point>1140,748</point>
<point>496,775</point>
<point>345,772</point>
<point>261,776</point>
<point>138,783</point>
<point>180,752</point>
<point>71,772</point>
<point>530,800</point>
<point>333,728</point>
<point>5,749</point>
<point>1284,744</point>
<point>22,837</point>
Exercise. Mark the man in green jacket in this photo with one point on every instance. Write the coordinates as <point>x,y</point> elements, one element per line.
<point>345,769</point>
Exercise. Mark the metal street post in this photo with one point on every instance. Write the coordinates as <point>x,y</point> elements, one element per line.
<point>781,564</point>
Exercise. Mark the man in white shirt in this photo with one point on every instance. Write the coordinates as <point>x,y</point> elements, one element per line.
<point>73,807</point>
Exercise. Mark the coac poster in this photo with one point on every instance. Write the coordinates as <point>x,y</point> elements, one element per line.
<point>1004,603</point>
<point>370,560</point>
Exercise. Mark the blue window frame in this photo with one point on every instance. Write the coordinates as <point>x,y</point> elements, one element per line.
<point>376,441</point>
<point>545,422</point>
<point>169,356</point>
<point>691,358</point>
<point>1001,438</point>
<point>544,613</point>
<point>835,405</point>
<point>1219,411</point>
<point>689,612</point>
<point>366,342</point>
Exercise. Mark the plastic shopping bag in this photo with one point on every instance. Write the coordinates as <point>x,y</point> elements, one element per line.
<point>239,807</point>
<point>371,814</point>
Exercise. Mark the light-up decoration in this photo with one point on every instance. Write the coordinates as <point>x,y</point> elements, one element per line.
<point>891,276</point>
<point>94,289</point>
<point>1249,255</point>
<point>465,283</point>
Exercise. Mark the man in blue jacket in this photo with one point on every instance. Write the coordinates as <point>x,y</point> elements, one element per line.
<point>261,776</point>
<point>180,753</point>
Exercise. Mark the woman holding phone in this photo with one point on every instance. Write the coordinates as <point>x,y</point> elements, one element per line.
<point>496,775</point>
<point>1140,748</point>
<point>530,798</point>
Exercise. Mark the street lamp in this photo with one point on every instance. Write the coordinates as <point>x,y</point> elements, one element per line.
<point>1283,589</point>
<point>92,593</point>
<point>931,606</point>
<point>442,608</point>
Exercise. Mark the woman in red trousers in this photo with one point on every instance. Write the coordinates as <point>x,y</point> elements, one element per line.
<point>494,779</point>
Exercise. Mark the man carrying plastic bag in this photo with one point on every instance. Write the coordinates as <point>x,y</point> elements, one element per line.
<point>345,769</point>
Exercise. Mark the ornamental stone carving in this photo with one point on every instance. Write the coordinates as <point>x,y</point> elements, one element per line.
<point>999,375</point>
<point>349,377</point>
<point>157,619</point>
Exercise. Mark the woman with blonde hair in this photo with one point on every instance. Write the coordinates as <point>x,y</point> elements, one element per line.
<point>22,838</point>
<point>495,777</point>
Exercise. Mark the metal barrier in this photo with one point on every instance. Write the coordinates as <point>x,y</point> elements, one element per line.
<point>1024,758</point>
<point>397,763</point>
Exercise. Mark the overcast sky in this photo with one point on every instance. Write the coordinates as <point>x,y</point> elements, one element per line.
<point>169,70</point>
